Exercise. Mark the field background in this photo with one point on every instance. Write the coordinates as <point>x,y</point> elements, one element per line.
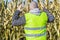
<point>7,32</point>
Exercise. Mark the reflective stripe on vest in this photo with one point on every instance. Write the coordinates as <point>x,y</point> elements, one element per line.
<point>38,28</point>
<point>35,35</point>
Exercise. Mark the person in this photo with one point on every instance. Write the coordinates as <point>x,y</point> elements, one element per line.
<point>34,21</point>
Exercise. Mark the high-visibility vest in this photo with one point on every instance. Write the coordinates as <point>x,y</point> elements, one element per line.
<point>35,27</point>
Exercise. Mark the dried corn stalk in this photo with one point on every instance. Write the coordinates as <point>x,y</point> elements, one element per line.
<point>7,32</point>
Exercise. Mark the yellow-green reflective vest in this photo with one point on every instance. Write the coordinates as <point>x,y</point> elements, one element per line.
<point>35,27</point>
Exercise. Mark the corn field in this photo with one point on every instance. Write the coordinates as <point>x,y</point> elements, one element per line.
<point>7,32</point>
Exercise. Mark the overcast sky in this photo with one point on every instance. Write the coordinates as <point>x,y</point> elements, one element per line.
<point>8,0</point>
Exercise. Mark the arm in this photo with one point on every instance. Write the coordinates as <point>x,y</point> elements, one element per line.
<point>50,16</point>
<point>16,20</point>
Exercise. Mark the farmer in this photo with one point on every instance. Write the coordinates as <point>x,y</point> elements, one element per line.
<point>34,21</point>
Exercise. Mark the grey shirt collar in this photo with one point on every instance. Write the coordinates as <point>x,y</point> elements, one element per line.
<point>35,11</point>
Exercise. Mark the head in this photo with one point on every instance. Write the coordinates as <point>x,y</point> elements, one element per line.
<point>33,5</point>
